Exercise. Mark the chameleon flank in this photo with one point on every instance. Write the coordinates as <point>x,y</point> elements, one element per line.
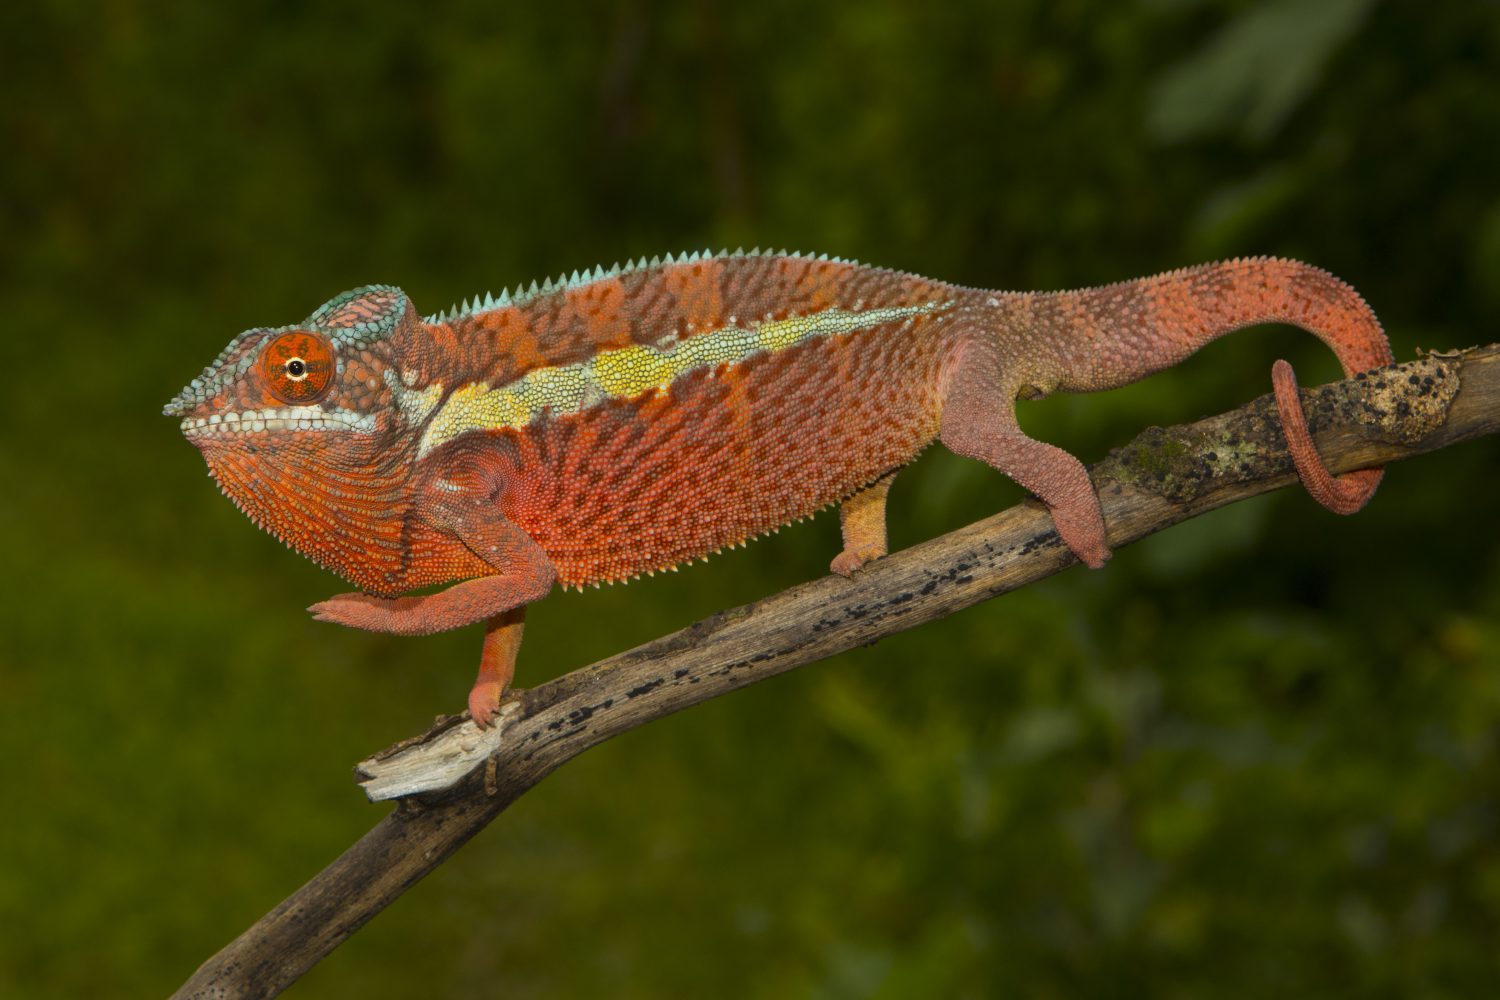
<point>621,422</point>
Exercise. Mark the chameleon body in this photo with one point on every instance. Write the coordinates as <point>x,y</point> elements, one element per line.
<point>621,422</point>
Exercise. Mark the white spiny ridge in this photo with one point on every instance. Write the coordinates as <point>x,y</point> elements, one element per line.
<point>566,282</point>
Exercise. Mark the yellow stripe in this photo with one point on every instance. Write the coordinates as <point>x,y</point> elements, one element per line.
<point>632,371</point>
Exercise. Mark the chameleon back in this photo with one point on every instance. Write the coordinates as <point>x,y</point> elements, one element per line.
<point>672,411</point>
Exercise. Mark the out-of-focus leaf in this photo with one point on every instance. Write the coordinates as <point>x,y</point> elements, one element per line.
<point>1255,72</point>
<point>1228,218</point>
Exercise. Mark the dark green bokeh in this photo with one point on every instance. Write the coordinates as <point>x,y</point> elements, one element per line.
<point>1255,756</point>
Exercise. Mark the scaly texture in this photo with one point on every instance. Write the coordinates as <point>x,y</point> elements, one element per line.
<point>624,421</point>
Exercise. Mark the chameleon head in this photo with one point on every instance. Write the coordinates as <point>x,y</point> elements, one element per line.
<point>299,428</point>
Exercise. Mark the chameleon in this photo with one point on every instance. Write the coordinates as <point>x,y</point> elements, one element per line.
<point>620,422</point>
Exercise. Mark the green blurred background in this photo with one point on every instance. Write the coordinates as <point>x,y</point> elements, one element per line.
<point>1255,756</point>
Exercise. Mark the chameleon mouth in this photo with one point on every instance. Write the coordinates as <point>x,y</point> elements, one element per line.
<point>286,418</point>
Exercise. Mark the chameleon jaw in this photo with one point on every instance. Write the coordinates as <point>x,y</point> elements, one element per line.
<point>285,418</point>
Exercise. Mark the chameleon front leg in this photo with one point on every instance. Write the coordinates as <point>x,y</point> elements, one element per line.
<point>497,664</point>
<point>979,421</point>
<point>523,574</point>
<point>862,520</point>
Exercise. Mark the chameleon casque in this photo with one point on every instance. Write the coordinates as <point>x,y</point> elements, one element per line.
<point>621,422</point>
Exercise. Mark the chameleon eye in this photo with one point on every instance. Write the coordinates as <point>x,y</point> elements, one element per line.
<point>298,367</point>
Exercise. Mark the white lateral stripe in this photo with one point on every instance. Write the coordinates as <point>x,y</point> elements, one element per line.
<point>630,371</point>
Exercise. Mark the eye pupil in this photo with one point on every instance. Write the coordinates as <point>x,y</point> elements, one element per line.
<point>296,368</point>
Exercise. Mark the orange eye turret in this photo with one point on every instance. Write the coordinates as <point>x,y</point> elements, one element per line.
<point>298,367</point>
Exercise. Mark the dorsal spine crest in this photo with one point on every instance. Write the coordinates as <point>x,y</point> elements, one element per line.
<point>524,295</point>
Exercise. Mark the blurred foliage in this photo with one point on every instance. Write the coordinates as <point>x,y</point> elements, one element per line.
<point>1255,756</point>
<point>1256,71</point>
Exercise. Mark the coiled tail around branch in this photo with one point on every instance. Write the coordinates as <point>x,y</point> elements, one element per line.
<point>1159,321</point>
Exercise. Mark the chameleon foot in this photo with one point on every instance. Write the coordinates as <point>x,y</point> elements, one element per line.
<point>850,561</point>
<point>484,702</point>
<point>1081,526</point>
<point>862,521</point>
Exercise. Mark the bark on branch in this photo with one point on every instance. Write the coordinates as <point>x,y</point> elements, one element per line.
<point>454,779</point>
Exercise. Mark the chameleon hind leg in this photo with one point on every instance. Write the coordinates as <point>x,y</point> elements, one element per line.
<point>862,521</point>
<point>979,421</point>
<point>522,574</point>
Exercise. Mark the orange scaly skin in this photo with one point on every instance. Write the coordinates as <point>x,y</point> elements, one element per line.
<point>626,421</point>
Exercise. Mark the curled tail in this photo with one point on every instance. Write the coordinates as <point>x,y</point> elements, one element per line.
<point>1156,322</point>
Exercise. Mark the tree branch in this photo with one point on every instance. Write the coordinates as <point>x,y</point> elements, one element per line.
<point>455,779</point>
